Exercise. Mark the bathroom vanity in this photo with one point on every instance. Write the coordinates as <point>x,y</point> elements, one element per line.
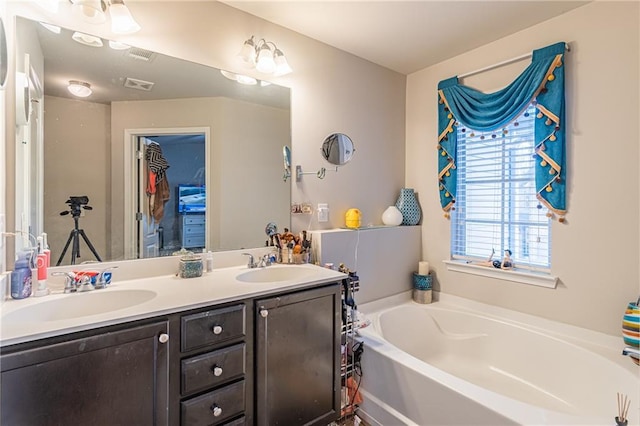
<point>270,354</point>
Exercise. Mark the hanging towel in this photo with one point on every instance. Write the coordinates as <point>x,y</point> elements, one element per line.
<point>158,192</point>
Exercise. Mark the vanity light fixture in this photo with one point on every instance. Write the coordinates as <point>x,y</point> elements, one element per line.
<point>95,12</point>
<point>86,39</point>
<point>122,21</point>
<point>80,89</point>
<point>264,56</point>
<point>91,11</point>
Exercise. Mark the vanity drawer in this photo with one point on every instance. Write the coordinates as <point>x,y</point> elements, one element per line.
<point>213,407</point>
<point>213,368</point>
<point>197,219</point>
<point>211,327</point>
<point>194,230</point>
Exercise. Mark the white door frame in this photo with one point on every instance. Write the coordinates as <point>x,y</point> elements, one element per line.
<point>130,176</point>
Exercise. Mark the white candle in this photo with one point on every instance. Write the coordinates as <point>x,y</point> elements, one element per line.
<point>423,268</point>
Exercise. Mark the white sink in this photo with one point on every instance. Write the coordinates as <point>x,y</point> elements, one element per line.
<point>79,305</point>
<point>276,273</point>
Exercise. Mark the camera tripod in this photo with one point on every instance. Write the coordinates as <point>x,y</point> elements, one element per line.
<point>74,236</point>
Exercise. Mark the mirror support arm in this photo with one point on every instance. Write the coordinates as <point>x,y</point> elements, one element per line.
<point>320,174</point>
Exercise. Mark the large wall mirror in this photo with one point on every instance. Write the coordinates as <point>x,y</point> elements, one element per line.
<point>217,143</point>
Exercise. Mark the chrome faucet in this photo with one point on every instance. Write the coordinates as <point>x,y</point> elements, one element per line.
<point>251,264</point>
<point>264,261</point>
<point>630,351</point>
<point>70,283</point>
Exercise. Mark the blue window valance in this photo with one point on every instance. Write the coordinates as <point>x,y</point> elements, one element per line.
<point>541,83</point>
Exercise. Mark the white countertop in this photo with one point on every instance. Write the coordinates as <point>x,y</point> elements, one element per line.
<point>173,294</point>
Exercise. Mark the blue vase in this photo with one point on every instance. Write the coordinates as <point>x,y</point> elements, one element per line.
<point>408,206</point>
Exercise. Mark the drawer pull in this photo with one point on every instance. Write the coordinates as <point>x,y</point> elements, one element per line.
<point>163,338</point>
<point>217,329</point>
<point>217,411</point>
<point>217,371</point>
<point>264,313</point>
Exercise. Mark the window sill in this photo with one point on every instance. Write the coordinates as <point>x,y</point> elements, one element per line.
<point>519,276</point>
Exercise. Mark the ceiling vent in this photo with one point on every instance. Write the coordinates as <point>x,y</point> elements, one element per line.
<point>134,83</point>
<point>140,54</point>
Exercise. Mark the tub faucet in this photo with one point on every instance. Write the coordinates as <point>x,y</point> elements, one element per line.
<point>629,351</point>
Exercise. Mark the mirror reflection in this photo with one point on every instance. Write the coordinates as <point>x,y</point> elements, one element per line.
<point>337,149</point>
<point>220,142</point>
<point>286,154</point>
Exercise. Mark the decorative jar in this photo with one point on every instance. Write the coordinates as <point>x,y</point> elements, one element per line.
<point>408,206</point>
<point>392,216</point>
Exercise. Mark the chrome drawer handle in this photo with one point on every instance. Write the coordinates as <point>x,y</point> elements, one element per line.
<point>264,313</point>
<point>217,371</point>
<point>217,411</point>
<point>163,338</point>
<point>217,329</point>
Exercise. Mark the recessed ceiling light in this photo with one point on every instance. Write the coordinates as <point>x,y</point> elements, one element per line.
<point>53,28</point>
<point>117,45</point>
<point>87,39</point>
<point>80,89</point>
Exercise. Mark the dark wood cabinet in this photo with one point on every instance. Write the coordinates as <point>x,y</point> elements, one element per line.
<point>215,366</point>
<point>272,361</point>
<point>297,356</point>
<point>115,377</point>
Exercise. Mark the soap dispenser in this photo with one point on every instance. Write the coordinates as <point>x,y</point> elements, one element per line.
<point>21,276</point>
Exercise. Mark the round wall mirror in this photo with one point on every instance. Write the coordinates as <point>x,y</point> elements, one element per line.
<point>338,149</point>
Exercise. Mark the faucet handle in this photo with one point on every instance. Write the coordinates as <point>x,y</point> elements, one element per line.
<point>69,281</point>
<point>102,280</point>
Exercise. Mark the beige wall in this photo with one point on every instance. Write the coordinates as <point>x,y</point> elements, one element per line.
<point>596,253</point>
<point>76,146</point>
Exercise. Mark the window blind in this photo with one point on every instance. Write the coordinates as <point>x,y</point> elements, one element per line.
<point>496,207</point>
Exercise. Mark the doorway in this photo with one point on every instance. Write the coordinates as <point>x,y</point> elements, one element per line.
<point>167,207</point>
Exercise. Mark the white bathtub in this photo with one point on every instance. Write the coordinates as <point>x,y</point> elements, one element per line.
<point>459,362</point>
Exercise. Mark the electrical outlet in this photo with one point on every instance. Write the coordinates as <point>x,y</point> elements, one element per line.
<point>323,212</point>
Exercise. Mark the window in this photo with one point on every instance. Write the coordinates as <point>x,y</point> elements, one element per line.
<point>496,206</point>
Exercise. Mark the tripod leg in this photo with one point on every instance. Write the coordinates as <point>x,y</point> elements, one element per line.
<point>75,251</point>
<point>86,240</point>
<point>66,246</point>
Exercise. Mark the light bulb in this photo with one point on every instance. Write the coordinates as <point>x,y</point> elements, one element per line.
<point>248,53</point>
<point>282,66</point>
<point>91,11</point>
<point>265,62</point>
<point>121,20</point>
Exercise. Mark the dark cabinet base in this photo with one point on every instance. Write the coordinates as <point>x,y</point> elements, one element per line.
<point>115,378</point>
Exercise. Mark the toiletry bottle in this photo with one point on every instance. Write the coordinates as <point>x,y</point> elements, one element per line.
<point>21,276</point>
<point>41,262</point>
<point>209,261</point>
<point>45,249</point>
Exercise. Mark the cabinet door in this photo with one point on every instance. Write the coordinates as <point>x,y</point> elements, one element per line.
<point>112,378</point>
<point>297,353</point>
